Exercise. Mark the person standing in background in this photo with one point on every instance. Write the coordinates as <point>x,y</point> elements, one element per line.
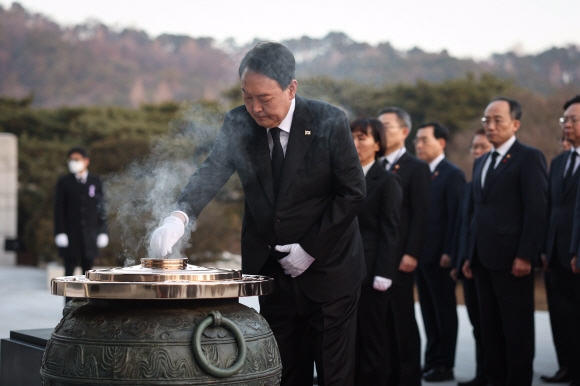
<point>508,206</point>
<point>434,283</point>
<point>80,218</point>
<point>479,146</point>
<point>404,345</point>
<point>379,227</point>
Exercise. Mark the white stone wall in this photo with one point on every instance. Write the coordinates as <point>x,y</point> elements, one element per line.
<point>8,194</point>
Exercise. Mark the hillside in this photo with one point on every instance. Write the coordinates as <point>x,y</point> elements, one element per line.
<point>92,64</point>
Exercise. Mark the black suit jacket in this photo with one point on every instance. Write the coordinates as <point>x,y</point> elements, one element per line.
<point>561,202</point>
<point>321,191</point>
<point>379,222</point>
<point>446,187</point>
<point>509,215</point>
<point>462,230</point>
<point>416,183</point>
<point>79,211</point>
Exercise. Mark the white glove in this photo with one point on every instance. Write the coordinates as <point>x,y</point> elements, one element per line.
<point>164,238</point>
<point>102,240</point>
<point>381,283</point>
<point>297,261</point>
<point>61,240</point>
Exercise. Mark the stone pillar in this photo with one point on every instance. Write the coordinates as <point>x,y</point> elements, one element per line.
<point>8,194</point>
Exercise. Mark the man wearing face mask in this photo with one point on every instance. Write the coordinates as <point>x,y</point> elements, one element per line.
<point>80,221</point>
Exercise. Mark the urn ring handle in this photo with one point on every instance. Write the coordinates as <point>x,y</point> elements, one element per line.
<point>217,319</point>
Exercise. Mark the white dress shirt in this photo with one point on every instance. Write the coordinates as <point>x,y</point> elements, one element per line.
<point>393,157</point>
<point>576,162</point>
<point>284,126</point>
<point>433,164</point>
<point>502,151</point>
<point>367,167</point>
<point>82,177</point>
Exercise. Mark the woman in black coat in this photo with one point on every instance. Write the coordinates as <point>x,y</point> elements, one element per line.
<point>378,222</point>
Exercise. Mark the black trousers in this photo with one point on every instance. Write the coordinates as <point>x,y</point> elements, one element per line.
<point>472,306</point>
<point>507,325</point>
<point>439,310</point>
<point>309,332</point>
<point>372,341</point>
<point>404,341</point>
<point>564,305</point>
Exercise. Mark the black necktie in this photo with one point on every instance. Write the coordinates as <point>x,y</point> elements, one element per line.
<point>570,171</point>
<point>277,159</point>
<point>384,163</point>
<point>491,168</point>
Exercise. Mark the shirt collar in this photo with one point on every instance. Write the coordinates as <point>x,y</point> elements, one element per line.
<point>394,156</point>
<point>433,164</point>
<point>82,176</point>
<point>503,149</point>
<point>576,149</point>
<point>367,167</point>
<point>286,123</point>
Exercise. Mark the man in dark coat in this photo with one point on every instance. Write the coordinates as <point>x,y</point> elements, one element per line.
<point>508,215</point>
<point>434,283</point>
<point>80,219</point>
<point>303,187</point>
<point>404,339</point>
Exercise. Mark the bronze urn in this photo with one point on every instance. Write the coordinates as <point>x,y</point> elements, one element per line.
<point>163,322</point>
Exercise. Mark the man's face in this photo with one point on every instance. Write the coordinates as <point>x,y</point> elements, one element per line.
<point>427,147</point>
<point>265,100</point>
<point>395,134</point>
<point>498,124</point>
<point>479,146</point>
<point>572,129</point>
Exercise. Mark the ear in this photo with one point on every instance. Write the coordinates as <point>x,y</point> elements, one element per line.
<point>292,88</point>
<point>442,143</point>
<point>517,124</point>
<point>405,132</point>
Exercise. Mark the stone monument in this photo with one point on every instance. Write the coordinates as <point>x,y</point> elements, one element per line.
<point>8,195</point>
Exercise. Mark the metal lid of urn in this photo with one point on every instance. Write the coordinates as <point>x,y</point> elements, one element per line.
<point>162,279</point>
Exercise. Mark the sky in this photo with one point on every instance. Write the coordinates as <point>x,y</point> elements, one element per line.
<point>465,28</point>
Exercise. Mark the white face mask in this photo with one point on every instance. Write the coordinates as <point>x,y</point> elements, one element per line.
<point>76,166</point>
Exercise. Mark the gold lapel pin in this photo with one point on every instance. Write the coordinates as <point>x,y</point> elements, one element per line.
<point>436,174</point>
<point>508,156</point>
<point>306,132</point>
<point>396,166</point>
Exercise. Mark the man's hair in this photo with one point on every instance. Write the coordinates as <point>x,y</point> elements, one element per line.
<point>372,125</point>
<point>480,131</point>
<point>78,149</point>
<point>439,131</point>
<point>515,107</point>
<point>402,116</point>
<point>272,60</point>
<point>571,101</point>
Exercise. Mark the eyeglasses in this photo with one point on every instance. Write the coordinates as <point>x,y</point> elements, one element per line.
<point>422,140</point>
<point>573,120</point>
<point>488,121</point>
<point>389,127</point>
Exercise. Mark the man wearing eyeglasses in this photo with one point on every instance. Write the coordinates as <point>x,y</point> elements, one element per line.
<point>508,211</point>
<point>562,245</point>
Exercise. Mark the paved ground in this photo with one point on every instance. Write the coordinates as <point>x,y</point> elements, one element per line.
<point>25,303</point>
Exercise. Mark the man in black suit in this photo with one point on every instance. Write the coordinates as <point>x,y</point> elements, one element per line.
<point>404,339</point>
<point>508,213</point>
<point>80,219</point>
<point>434,283</point>
<point>303,187</point>
<point>562,284</point>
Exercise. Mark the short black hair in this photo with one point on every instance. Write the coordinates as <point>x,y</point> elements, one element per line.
<point>515,107</point>
<point>439,131</point>
<point>402,115</point>
<point>571,101</point>
<point>372,125</point>
<point>78,149</point>
<point>272,60</point>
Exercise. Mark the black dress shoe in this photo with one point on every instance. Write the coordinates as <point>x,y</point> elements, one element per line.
<point>426,368</point>
<point>481,381</point>
<point>439,374</point>
<point>561,376</point>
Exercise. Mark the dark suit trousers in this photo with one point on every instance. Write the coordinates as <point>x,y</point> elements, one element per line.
<point>372,340</point>
<point>439,309</point>
<point>472,306</point>
<point>404,341</point>
<point>557,324</point>
<point>507,325</point>
<point>308,331</point>
<point>564,304</point>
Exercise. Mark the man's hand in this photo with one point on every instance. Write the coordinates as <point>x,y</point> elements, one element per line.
<point>297,260</point>
<point>381,283</point>
<point>466,269</point>
<point>164,238</point>
<point>573,264</point>
<point>445,261</point>
<point>61,240</point>
<point>521,267</point>
<point>408,264</point>
<point>453,274</point>
<point>102,240</point>
<point>544,259</point>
